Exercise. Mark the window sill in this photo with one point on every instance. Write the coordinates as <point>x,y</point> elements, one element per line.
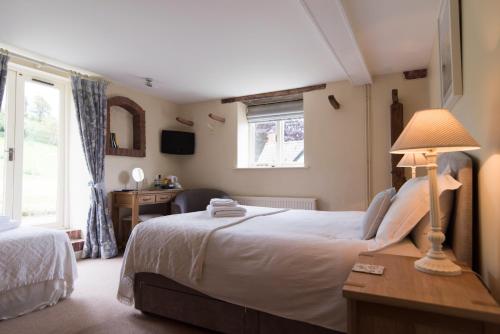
<point>271,168</point>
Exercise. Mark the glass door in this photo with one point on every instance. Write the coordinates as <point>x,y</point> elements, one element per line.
<point>4,149</point>
<point>41,149</point>
<point>7,137</point>
<point>36,104</point>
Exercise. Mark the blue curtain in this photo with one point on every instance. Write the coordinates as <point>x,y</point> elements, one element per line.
<point>90,103</point>
<point>3,74</point>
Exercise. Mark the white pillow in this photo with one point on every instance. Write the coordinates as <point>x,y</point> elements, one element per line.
<point>10,225</point>
<point>409,206</point>
<point>376,212</point>
<point>419,233</point>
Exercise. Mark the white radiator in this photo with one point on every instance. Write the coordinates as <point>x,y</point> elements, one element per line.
<point>278,202</point>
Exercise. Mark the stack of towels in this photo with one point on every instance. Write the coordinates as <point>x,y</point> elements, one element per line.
<point>7,224</point>
<point>225,207</point>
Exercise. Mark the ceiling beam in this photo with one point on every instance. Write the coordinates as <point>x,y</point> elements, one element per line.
<point>415,74</point>
<point>330,18</point>
<point>278,93</point>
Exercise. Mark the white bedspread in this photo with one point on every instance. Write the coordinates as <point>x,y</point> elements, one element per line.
<point>291,264</point>
<point>30,256</point>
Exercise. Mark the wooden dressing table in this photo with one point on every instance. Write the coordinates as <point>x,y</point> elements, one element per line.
<point>134,200</point>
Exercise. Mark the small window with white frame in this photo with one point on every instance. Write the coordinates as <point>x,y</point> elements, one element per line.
<point>276,135</point>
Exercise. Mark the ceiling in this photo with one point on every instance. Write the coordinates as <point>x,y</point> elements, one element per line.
<point>197,51</point>
<point>394,35</point>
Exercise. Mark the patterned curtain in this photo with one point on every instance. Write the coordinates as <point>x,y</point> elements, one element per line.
<point>90,103</point>
<point>3,74</point>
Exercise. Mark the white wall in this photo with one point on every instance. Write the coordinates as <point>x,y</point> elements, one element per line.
<point>479,111</point>
<point>335,146</point>
<point>160,114</point>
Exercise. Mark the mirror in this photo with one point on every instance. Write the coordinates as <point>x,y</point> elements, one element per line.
<point>127,135</point>
<point>121,127</point>
<point>138,174</point>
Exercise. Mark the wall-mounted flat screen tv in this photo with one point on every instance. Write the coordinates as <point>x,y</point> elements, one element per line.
<point>177,142</point>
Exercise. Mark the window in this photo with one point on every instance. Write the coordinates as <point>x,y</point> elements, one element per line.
<point>276,135</point>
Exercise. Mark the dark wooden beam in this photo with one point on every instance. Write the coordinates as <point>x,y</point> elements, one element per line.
<point>395,97</point>
<point>398,176</point>
<point>270,100</point>
<point>278,93</point>
<point>415,74</point>
<point>184,121</point>
<point>333,101</point>
<point>217,118</point>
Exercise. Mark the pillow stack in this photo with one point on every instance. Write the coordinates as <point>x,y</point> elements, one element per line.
<point>410,205</point>
<point>7,224</point>
<point>392,216</point>
<point>420,232</point>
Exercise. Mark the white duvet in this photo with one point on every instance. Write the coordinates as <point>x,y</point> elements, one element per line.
<point>291,264</point>
<point>34,263</point>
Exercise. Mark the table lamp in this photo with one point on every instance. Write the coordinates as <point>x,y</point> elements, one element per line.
<point>413,160</point>
<point>431,132</point>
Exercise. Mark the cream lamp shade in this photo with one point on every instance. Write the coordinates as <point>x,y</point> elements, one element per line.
<point>434,130</point>
<point>413,160</point>
<point>431,132</point>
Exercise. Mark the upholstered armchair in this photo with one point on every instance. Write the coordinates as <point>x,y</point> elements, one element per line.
<point>195,200</point>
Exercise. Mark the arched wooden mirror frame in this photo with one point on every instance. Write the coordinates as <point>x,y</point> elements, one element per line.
<point>139,128</point>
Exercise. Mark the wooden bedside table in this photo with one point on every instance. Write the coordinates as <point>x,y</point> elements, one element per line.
<point>404,300</point>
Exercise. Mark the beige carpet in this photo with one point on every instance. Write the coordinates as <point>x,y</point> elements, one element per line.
<point>93,308</point>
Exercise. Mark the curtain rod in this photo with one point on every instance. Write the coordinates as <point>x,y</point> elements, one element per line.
<point>44,64</point>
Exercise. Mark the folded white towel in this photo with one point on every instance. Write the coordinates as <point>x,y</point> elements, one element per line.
<point>221,211</point>
<point>223,202</point>
<point>9,226</point>
<point>225,208</point>
<point>222,214</point>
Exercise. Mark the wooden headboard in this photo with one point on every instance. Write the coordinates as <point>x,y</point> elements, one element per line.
<point>459,235</point>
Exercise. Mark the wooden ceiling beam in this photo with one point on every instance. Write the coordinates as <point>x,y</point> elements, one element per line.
<point>278,93</point>
<point>333,25</point>
<point>415,74</point>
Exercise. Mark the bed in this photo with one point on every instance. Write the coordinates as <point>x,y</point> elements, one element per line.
<point>38,268</point>
<point>289,283</point>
